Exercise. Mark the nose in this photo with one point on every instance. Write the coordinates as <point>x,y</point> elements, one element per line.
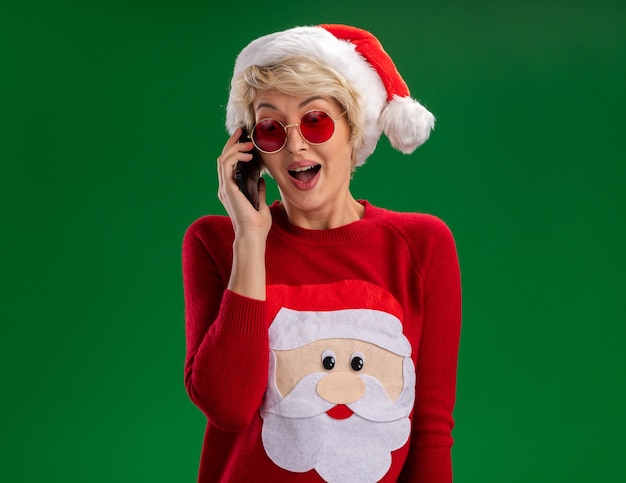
<point>295,141</point>
<point>341,388</point>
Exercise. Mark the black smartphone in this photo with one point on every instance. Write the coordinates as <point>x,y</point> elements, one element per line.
<point>247,174</point>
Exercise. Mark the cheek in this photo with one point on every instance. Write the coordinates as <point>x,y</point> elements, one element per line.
<point>339,157</point>
<point>270,164</point>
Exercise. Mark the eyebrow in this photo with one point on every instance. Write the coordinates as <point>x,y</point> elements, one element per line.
<point>309,100</point>
<point>302,104</point>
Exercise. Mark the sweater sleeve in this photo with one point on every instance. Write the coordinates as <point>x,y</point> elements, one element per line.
<point>227,346</point>
<point>429,459</point>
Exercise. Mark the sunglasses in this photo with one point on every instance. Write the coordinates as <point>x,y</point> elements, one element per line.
<point>316,127</point>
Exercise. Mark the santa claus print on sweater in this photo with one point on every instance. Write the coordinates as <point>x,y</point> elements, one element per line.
<point>341,381</point>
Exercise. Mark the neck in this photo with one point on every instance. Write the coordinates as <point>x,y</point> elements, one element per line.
<point>326,217</point>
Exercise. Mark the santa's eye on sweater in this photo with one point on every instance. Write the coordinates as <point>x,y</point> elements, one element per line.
<point>357,361</point>
<point>328,360</point>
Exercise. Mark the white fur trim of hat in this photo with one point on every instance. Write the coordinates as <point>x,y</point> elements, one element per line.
<point>291,329</point>
<point>360,58</point>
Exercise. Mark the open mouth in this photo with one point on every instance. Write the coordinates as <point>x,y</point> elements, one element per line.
<point>306,173</point>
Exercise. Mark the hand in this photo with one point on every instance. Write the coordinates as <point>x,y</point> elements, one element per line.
<point>246,220</point>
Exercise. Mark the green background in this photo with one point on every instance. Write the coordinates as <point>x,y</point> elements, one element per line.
<point>112,116</point>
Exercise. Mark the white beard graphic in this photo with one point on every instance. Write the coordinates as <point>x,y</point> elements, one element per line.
<point>299,436</point>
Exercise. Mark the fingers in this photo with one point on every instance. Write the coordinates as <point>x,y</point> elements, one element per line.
<point>247,221</point>
<point>228,191</point>
<point>235,151</point>
<point>232,153</point>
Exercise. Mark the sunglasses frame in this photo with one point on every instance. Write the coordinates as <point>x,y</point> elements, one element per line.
<point>294,125</point>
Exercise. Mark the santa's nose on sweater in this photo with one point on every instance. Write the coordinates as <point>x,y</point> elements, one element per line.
<point>341,387</point>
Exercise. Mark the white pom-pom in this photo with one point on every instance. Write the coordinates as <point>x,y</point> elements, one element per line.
<point>406,123</point>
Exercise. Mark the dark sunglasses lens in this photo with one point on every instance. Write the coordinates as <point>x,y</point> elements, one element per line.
<point>317,127</point>
<point>269,135</point>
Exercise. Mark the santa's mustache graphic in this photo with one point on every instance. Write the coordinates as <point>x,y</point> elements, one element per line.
<point>303,431</point>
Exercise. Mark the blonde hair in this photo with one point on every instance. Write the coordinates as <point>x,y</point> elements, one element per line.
<point>301,77</point>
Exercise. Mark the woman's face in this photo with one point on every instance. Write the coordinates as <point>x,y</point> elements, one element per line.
<point>311,178</point>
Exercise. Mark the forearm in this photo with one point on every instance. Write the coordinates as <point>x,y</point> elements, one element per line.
<point>226,332</point>
<point>227,374</point>
<point>247,277</point>
<point>431,441</point>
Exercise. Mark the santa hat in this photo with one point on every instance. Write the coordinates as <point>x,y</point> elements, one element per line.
<point>291,329</point>
<point>360,58</point>
<point>347,309</point>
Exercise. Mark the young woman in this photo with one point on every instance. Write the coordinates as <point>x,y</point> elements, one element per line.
<point>322,331</point>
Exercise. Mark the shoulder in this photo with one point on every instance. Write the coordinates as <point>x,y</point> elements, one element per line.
<point>427,237</point>
<point>209,223</point>
<point>208,230</point>
<point>414,226</point>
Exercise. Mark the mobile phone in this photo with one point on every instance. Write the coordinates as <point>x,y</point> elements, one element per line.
<point>247,173</point>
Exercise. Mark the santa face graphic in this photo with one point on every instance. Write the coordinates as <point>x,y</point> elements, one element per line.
<point>340,391</point>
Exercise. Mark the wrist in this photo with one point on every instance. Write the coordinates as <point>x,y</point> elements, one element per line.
<point>250,243</point>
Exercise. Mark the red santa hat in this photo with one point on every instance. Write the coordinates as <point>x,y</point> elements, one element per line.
<point>348,309</point>
<point>360,58</point>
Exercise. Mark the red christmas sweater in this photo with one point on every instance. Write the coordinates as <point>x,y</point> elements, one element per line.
<point>347,372</point>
